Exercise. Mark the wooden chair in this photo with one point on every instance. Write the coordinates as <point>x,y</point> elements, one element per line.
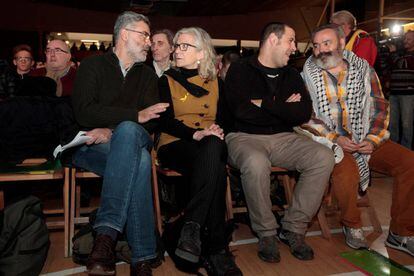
<point>329,206</point>
<point>75,210</point>
<point>157,169</point>
<point>288,181</point>
<point>32,171</point>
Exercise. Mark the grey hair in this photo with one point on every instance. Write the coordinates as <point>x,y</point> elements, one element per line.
<point>345,17</point>
<point>125,19</point>
<point>336,28</point>
<point>203,42</point>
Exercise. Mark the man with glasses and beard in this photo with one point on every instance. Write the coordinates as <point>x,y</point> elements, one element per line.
<point>350,110</point>
<point>116,99</point>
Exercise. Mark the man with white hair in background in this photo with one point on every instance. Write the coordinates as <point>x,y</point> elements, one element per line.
<point>116,99</point>
<point>357,40</point>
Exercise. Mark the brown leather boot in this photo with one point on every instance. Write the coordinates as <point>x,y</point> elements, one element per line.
<point>141,269</point>
<point>101,261</point>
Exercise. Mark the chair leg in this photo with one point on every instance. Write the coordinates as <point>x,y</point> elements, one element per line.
<point>323,223</point>
<point>229,201</point>
<point>288,185</point>
<point>1,200</point>
<point>155,195</point>
<point>66,211</point>
<point>376,224</point>
<point>72,208</point>
<point>77,200</point>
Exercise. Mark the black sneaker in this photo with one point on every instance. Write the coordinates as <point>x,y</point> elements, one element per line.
<point>222,264</point>
<point>297,245</point>
<point>101,261</point>
<point>268,249</point>
<point>141,269</point>
<point>189,244</point>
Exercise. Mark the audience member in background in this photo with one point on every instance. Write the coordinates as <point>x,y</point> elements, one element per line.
<point>58,67</point>
<point>401,89</point>
<point>82,47</point>
<point>192,143</point>
<point>267,99</point>
<point>74,48</point>
<point>228,58</point>
<point>349,109</point>
<point>102,47</point>
<point>161,49</point>
<point>115,98</point>
<point>10,80</point>
<point>93,47</point>
<point>357,41</point>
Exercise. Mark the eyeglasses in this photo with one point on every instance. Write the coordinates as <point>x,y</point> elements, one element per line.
<point>145,34</point>
<point>183,46</point>
<point>55,51</point>
<point>25,59</point>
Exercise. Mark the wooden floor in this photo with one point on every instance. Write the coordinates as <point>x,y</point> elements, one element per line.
<point>327,260</point>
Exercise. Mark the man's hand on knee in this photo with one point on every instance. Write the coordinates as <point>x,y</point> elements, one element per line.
<point>99,136</point>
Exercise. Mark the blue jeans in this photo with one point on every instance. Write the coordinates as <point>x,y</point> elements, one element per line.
<point>402,107</point>
<point>126,198</point>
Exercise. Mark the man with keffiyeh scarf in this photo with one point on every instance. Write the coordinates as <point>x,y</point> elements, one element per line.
<point>350,110</point>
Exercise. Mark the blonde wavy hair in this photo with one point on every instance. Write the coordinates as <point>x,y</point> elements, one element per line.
<point>202,40</point>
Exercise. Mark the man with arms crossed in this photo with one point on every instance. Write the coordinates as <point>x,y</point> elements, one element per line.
<point>268,98</point>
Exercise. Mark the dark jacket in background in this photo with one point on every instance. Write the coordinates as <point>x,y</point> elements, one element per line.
<point>402,74</point>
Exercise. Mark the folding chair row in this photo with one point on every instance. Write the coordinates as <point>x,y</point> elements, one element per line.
<point>30,170</point>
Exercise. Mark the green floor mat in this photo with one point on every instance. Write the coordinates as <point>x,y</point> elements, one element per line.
<point>372,263</point>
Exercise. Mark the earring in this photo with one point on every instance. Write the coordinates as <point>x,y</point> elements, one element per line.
<point>198,62</point>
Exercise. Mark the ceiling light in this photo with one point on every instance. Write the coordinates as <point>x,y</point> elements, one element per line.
<point>396,29</point>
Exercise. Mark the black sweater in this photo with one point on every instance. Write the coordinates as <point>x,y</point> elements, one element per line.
<point>103,97</point>
<point>247,80</point>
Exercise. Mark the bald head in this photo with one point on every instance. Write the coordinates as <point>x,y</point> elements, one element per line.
<point>57,55</point>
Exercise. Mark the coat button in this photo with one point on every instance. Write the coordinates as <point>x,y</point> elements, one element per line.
<point>201,115</point>
<point>206,106</point>
<point>197,124</point>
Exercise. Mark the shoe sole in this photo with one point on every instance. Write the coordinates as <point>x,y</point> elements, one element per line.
<point>187,256</point>
<point>356,247</point>
<point>268,260</point>
<point>99,272</point>
<point>387,243</point>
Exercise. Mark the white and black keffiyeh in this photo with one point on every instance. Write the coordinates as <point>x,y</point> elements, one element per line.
<point>358,89</point>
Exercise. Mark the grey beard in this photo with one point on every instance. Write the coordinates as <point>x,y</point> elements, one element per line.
<point>137,57</point>
<point>330,62</point>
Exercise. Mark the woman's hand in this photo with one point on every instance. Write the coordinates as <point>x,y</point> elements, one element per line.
<point>214,129</point>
